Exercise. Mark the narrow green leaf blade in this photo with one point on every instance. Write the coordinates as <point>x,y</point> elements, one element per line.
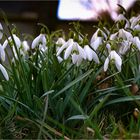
<point>74,82</point>
<point>124,99</point>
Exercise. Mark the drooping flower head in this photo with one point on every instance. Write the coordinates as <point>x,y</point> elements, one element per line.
<point>90,54</point>
<point>123,34</point>
<point>5,44</point>
<point>59,43</point>
<point>73,49</point>
<point>97,39</point>
<point>40,41</point>
<point>113,56</point>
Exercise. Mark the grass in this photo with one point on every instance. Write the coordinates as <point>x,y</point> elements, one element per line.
<point>46,99</point>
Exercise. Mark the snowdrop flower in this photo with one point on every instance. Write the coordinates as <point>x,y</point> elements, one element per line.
<point>64,46</point>
<point>59,58</point>
<point>16,39</point>
<point>1,33</point>
<point>124,47</point>
<point>60,41</point>
<point>115,57</point>
<point>25,46</point>
<point>4,72</point>
<point>74,50</point>
<point>108,46</point>
<point>135,23</point>
<point>114,36</point>
<point>96,43</point>
<point>121,17</point>
<point>70,46</point>
<point>125,35</point>
<point>90,54</point>
<point>97,40</point>
<point>17,43</point>
<point>136,41</point>
<point>122,34</point>
<point>40,41</point>
<point>2,53</point>
<point>76,59</point>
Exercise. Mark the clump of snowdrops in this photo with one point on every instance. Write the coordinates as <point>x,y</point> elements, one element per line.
<point>54,79</point>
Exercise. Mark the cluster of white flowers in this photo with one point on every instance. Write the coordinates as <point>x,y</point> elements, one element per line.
<point>124,37</point>
<point>22,47</point>
<point>75,51</point>
<point>114,44</point>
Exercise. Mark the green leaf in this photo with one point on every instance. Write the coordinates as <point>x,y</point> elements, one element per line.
<point>14,100</point>
<point>124,99</point>
<point>74,82</point>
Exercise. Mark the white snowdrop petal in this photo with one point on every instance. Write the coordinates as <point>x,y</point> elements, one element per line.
<point>61,49</point>
<point>91,54</point>
<point>4,72</point>
<point>88,52</point>
<point>137,42</point>
<point>25,45</point>
<point>43,39</point>
<point>94,36</point>
<point>70,41</point>
<point>65,45</point>
<point>35,42</point>
<point>106,64</point>
<point>125,35</point>
<point>113,36</point>
<point>120,17</point>
<point>96,43</point>
<point>5,43</point>
<point>117,58</point>
<point>68,51</point>
<point>60,41</point>
<point>60,59</point>
<point>2,54</point>
<point>108,46</point>
<point>74,58</point>
<point>81,51</point>
<point>123,50</point>
<point>79,60</point>
<point>134,21</point>
<point>95,57</point>
<point>118,64</point>
<point>137,27</point>
<point>17,41</point>
<point>124,47</point>
<point>111,55</point>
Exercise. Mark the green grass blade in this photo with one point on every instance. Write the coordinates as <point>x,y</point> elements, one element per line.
<point>124,99</point>
<point>74,82</point>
